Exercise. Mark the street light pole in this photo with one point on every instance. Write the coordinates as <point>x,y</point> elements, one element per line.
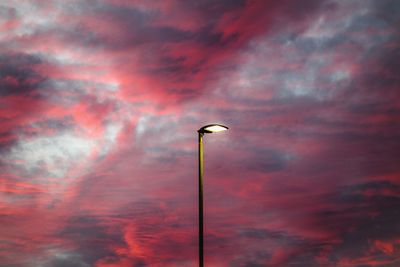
<point>201,226</point>
<point>211,128</point>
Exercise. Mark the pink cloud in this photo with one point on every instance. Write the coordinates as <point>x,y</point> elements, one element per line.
<point>98,144</point>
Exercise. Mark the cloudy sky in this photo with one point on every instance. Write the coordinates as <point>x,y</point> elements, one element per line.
<point>100,101</point>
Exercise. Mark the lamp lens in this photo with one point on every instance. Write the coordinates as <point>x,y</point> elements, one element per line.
<point>215,128</point>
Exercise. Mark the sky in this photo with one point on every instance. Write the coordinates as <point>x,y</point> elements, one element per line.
<point>101,100</point>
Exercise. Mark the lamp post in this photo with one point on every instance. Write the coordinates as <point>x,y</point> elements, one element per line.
<point>211,128</point>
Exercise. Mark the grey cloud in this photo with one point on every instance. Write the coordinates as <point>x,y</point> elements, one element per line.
<point>383,227</point>
<point>40,127</point>
<point>374,185</point>
<point>268,160</point>
<point>387,10</point>
<point>89,235</point>
<point>279,237</point>
<point>298,251</point>
<point>7,12</point>
<point>17,75</point>
<point>135,24</point>
<point>67,260</point>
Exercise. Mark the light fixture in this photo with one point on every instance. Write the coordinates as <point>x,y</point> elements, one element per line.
<point>213,128</point>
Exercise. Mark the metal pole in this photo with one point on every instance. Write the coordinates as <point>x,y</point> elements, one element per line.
<point>201,227</point>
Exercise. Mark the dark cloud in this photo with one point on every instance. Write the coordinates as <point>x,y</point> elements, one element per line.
<point>297,11</point>
<point>50,127</point>
<point>268,160</point>
<point>277,236</point>
<point>368,214</point>
<point>387,10</point>
<point>380,225</point>
<point>94,241</point>
<point>21,88</point>
<point>18,75</point>
<point>132,24</point>
<point>212,8</point>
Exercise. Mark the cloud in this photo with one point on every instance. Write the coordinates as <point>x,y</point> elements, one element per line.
<point>101,103</point>
<point>18,74</point>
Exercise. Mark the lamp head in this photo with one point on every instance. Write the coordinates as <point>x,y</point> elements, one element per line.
<point>213,128</point>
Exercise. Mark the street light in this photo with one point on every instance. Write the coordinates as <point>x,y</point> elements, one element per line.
<point>211,128</point>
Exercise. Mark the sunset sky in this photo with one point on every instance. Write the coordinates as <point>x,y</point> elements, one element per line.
<point>101,100</point>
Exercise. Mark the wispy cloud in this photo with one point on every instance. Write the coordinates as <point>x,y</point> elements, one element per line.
<point>101,100</point>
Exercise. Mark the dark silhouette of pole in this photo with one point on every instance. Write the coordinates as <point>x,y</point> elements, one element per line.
<point>201,225</point>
